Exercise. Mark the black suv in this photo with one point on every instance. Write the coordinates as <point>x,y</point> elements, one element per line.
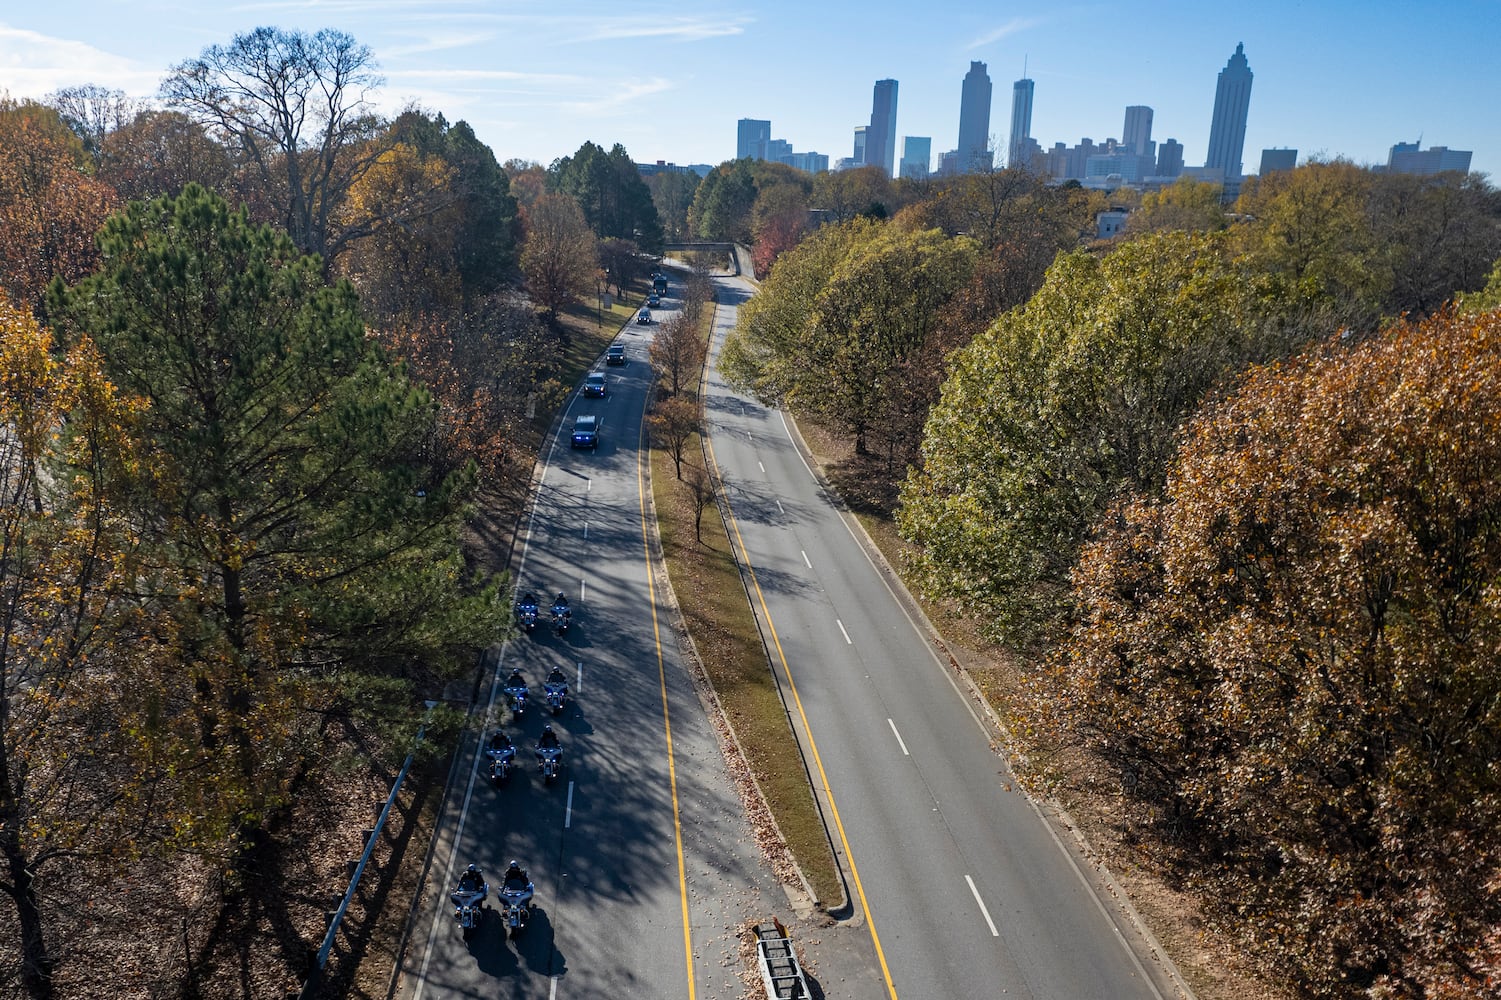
<point>586,432</point>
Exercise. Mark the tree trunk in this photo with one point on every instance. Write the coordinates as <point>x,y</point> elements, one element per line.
<point>36,964</point>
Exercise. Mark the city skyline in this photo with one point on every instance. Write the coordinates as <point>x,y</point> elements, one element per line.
<point>535,83</point>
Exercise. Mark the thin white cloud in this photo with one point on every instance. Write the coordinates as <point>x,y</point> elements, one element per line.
<point>617,96</point>
<point>680,29</point>
<point>34,65</point>
<point>1012,27</point>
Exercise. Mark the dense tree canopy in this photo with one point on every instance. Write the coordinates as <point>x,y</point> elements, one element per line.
<point>610,191</point>
<point>1291,658</point>
<point>1064,404</point>
<point>722,204</point>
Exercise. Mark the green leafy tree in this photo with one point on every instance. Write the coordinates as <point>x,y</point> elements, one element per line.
<point>764,354</point>
<point>1488,297</point>
<point>846,194</point>
<point>1185,205</point>
<point>1313,234</point>
<point>1064,404</point>
<point>560,256</point>
<point>610,191</point>
<point>1290,658</point>
<point>297,532</point>
<point>722,206</point>
<point>875,313</point>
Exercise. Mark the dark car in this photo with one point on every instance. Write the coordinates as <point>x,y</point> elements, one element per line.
<point>594,384</point>
<point>643,318</point>
<point>615,354</point>
<point>654,300</point>
<point>586,432</point>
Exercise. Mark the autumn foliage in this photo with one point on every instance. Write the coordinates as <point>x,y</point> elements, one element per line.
<point>1290,659</point>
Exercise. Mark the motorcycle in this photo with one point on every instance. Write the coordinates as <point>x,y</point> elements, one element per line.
<point>502,759</point>
<point>562,617</point>
<point>557,694</point>
<point>517,900</point>
<point>526,616</point>
<point>549,762</point>
<point>517,698</point>
<point>469,907</point>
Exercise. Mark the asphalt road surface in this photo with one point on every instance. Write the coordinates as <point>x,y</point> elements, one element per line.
<point>965,890</point>
<point>644,864</point>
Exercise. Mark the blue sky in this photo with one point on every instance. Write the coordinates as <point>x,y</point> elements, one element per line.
<point>535,79</point>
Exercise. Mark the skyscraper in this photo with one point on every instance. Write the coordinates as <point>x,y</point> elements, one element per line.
<point>862,144</point>
<point>1227,130</point>
<point>880,138</point>
<point>751,137</point>
<point>917,156</point>
<point>1170,158</point>
<point>974,120</point>
<point>1136,136</point>
<point>1021,122</point>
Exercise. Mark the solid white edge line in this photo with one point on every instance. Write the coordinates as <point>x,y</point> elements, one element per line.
<point>900,742</point>
<point>983,911</point>
<point>848,641</point>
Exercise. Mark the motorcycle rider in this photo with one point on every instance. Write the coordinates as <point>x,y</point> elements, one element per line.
<point>471,880</point>
<point>548,740</point>
<point>557,679</point>
<point>560,605</point>
<point>499,744</point>
<point>516,879</point>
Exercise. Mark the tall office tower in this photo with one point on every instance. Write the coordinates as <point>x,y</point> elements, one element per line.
<point>917,156</point>
<point>1136,135</point>
<point>751,137</point>
<point>974,120</point>
<point>862,143</point>
<point>1170,158</point>
<point>880,139</point>
<point>1227,130</point>
<point>1021,121</point>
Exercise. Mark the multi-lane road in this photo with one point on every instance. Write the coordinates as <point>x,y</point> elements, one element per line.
<point>643,861</point>
<point>967,891</point>
<point>644,865</point>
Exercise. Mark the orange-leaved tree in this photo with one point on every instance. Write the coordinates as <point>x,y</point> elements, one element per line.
<point>1291,658</point>
<point>50,206</point>
<point>66,555</point>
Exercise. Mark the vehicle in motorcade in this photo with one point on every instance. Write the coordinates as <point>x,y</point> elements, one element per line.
<point>594,384</point>
<point>643,318</point>
<point>586,431</point>
<point>659,283</point>
<point>615,354</point>
<point>654,300</point>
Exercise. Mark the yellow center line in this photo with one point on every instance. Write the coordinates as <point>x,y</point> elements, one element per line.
<point>672,771</point>
<point>812,744</point>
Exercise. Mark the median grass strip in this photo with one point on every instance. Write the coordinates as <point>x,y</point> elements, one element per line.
<point>717,615</point>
